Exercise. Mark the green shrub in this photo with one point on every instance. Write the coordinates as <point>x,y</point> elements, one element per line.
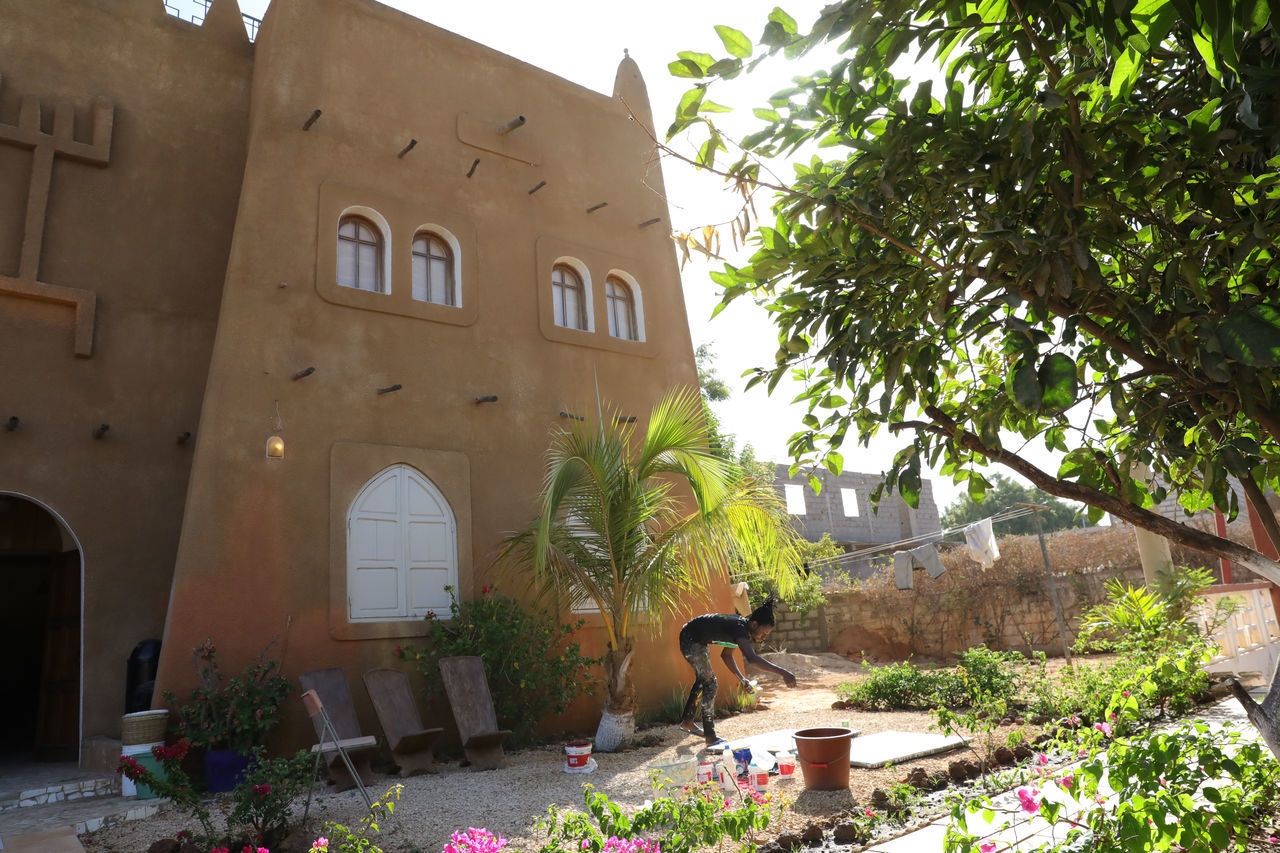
<point>695,817</point>
<point>534,668</point>
<point>980,673</point>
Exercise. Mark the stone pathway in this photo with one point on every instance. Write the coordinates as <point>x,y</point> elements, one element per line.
<point>43,807</point>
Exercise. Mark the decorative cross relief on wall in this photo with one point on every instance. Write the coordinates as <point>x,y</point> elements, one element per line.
<point>45,146</point>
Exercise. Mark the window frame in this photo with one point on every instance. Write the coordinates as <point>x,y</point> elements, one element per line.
<point>453,295</point>
<point>582,287</point>
<point>620,303</point>
<point>363,216</point>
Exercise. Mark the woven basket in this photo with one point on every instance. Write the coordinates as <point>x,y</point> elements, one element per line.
<point>143,727</point>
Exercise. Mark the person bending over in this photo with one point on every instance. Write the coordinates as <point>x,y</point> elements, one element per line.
<point>729,631</point>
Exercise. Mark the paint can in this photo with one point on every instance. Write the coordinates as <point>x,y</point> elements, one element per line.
<point>706,772</point>
<point>577,753</point>
<point>758,777</point>
<point>786,767</point>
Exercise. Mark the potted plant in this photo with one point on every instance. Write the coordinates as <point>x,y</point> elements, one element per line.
<point>229,717</point>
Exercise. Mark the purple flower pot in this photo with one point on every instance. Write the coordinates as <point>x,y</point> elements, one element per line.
<point>225,768</point>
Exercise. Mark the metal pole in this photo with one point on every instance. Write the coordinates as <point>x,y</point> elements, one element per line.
<point>1053,588</point>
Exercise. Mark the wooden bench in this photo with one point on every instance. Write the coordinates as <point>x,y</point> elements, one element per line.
<point>330,685</point>
<point>472,704</point>
<point>411,745</point>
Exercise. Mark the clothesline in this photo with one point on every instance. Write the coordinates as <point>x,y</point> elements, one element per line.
<point>887,548</point>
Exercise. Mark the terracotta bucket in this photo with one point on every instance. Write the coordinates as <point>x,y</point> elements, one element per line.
<point>823,756</point>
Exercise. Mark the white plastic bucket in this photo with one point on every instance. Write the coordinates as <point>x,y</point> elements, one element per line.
<point>577,754</point>
<point>759,777</point>
<point>127,786</point>
<point>786,767</point>
<point>706,772</point>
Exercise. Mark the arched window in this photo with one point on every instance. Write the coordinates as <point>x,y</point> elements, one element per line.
<point>433,279</point>
<point>402,549</point>
<point>622,309</point>
<point>360,255</point>
<point>569,298</point>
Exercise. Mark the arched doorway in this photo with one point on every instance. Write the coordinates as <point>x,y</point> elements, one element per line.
<point>40,573</point>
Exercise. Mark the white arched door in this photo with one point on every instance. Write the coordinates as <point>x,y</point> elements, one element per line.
<point>402,548</point>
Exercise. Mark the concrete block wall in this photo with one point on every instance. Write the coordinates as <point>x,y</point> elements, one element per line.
<point>890,623</point>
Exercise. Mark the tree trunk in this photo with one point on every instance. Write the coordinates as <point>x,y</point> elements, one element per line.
<point>1265,717</point>
<point>618,722</point>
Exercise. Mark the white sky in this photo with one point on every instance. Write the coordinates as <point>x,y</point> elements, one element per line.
<point>583,41</point>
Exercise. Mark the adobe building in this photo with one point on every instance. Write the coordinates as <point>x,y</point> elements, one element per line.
<point>284,328</point>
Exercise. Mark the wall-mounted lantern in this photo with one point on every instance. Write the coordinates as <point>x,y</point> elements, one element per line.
<point>275,447</point>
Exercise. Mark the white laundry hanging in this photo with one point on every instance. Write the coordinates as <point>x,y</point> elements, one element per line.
<point>980,542</point>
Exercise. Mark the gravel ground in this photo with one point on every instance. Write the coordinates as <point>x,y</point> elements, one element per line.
<point>510,801</point>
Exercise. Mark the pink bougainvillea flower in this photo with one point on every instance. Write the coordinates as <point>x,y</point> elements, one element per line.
<point>1105,728</point>
<point>262,790</point>
<point>1067,781</point>
<point>1126,694</point>
<point>868,813</point>
<point>987,847</point>
<point>1042,759</point>
<point>320,845</point>
<point>1028,798</point>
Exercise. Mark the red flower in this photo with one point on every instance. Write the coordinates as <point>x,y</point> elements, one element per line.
<point>399,652</point>
<point>484,590</point>
<point>262,790</point>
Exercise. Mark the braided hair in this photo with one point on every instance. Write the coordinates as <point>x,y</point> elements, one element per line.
<point>763,615</point>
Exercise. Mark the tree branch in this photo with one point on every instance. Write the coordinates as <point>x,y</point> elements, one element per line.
<point>1122,509</point>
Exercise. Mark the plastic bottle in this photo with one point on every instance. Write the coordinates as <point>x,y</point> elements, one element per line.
<point>728,771</point>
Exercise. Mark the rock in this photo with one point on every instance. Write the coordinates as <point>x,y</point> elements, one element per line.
<point>879,798</point>
<point>847,833</point>
<point>788,841</point>
<point>812,834</point>
<point>919,778</point>
<point>165,845</point>
<point>961,769</point>
<point>1004,755</point>
<point>771,847</point>
<point>1023,751</point>
<point>839,706</point>
<point>940,780</point>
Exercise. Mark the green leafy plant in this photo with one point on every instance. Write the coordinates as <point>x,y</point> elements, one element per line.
<point>265,802</point>
<point>980,672</point>
<point>694,817</point>
<point>1136,613</point>
<point>339,838</point>
<point>669,712</point>
<point>534,666</point>
<point>233,713</point>
<point>1193,789</point>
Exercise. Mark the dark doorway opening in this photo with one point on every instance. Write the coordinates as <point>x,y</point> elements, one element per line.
<point>39,634</point>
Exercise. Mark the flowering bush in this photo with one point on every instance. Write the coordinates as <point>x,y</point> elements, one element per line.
<point>534,667</point>
<point>235,713</point>
<point>474,841</point>
<point>1189,789</point>
<point>261,808</point>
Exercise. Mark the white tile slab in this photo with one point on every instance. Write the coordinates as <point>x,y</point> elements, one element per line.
<point>881,748</point>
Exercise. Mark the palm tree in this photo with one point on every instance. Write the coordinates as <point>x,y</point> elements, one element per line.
<point>627,529</point>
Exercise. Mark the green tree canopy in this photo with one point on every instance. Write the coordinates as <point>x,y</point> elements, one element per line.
<point>1068,237</point>
<point>1003,494</point>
